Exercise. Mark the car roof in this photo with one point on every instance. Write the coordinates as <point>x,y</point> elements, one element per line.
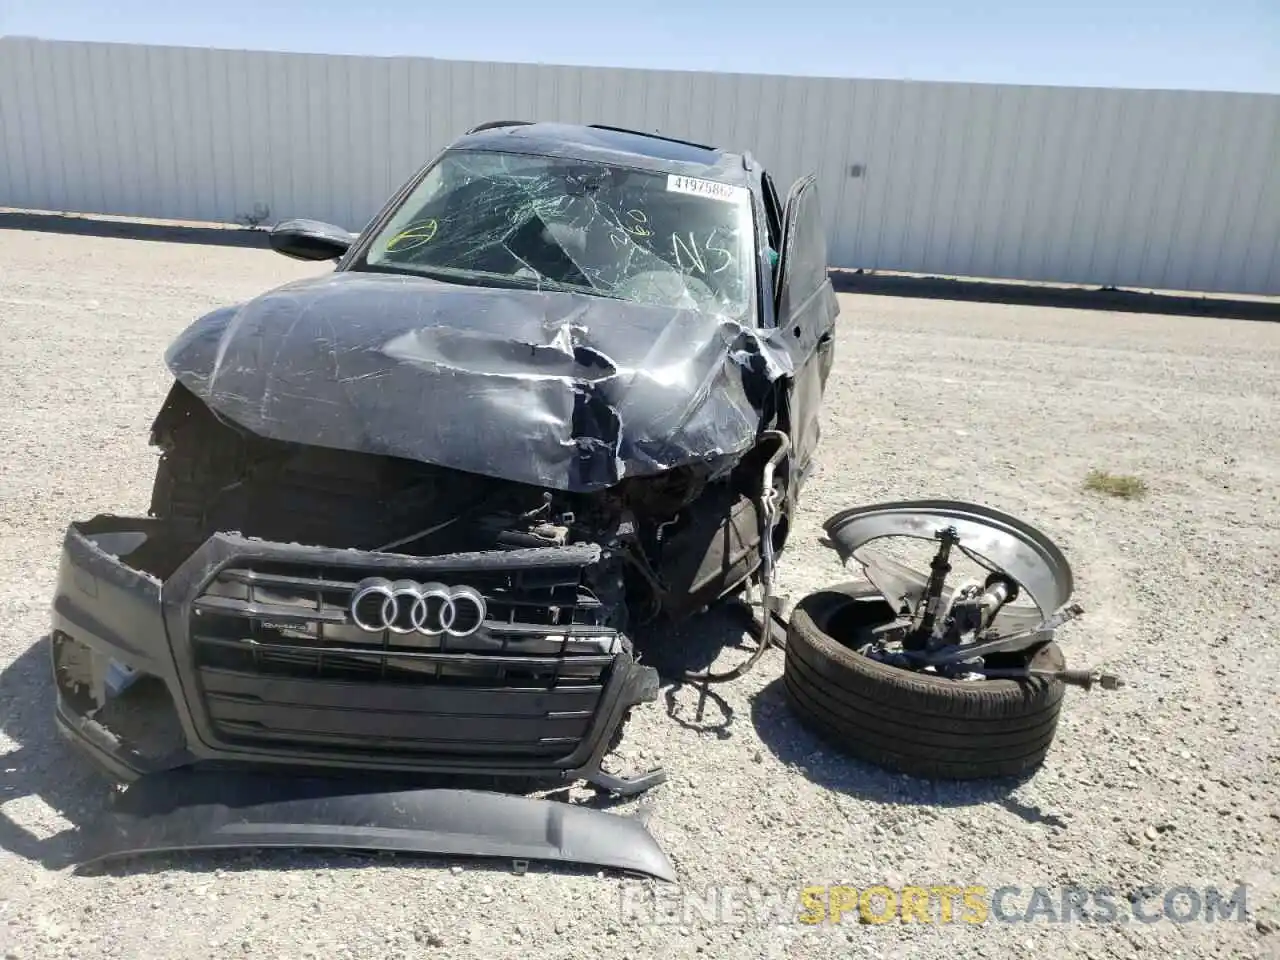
<point>630,148</point>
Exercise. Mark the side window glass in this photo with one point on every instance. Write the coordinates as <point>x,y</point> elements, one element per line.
<point>805,258</point>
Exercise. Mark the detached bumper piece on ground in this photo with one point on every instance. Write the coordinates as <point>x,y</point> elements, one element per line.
<point>906,672</point>
<point>186,810</point>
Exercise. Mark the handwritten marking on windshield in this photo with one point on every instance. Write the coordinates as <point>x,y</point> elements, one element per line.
<point>632,225</point>
<point>637,226</point>
<point>725,253</point>
<point>415,236</point>
<point>693,255</point>
<point>690,253</point>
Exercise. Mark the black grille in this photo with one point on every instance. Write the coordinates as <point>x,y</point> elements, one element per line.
<point>279,662</point>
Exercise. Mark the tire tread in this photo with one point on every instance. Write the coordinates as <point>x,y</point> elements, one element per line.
<point>911,723</point>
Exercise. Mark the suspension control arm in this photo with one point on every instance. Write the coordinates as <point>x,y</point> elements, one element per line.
<point>1086,679</point>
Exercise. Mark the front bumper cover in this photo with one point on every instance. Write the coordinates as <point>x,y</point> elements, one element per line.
<point>125,616</point>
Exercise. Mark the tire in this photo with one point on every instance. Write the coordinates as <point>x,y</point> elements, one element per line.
<point>908,722</point>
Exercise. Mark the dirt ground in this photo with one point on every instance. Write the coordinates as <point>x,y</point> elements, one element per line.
<point>1172,782</point>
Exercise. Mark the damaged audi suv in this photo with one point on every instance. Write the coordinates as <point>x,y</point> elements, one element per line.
<point>408,513</point>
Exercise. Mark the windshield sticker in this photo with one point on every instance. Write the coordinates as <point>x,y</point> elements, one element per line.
<point>704,188</point>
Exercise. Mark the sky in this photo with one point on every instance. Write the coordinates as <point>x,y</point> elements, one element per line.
<point>1174,44</point>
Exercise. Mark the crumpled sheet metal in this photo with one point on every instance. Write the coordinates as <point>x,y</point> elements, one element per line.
<point>560,390</point>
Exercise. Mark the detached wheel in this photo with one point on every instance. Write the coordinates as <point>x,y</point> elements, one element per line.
<point>909,722</point>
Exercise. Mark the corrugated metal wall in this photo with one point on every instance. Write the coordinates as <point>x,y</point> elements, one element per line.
<point>1132,188</point>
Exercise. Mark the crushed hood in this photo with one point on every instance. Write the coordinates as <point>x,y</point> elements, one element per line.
<point>561,390</point>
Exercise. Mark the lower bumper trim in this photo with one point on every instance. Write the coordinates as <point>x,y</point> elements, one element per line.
<point>189,810</point>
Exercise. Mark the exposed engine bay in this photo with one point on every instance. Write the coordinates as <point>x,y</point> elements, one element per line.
<point>674,542</point>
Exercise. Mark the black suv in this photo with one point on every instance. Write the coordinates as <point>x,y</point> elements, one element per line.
<point>567,381</point>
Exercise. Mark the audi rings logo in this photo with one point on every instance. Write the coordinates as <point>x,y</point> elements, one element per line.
<point>404,606</point>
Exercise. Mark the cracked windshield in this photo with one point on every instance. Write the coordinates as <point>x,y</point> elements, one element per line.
<point>555,224</point>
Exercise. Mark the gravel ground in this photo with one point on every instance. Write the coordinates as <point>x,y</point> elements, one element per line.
<point>1172,781</point>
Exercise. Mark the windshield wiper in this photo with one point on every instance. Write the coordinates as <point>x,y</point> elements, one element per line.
<point>486,277</point>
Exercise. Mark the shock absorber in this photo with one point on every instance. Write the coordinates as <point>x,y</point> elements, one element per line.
<point>999,590</point>
<point>928,633</point>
